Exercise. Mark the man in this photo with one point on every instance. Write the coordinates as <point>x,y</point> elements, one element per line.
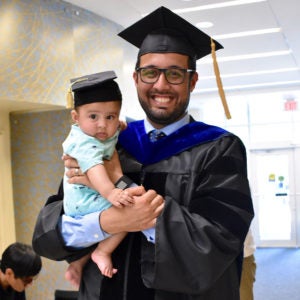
<point>197,206</point>
<point>19,266</point>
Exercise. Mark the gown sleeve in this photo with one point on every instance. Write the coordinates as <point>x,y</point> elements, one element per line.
<point>47,232</point>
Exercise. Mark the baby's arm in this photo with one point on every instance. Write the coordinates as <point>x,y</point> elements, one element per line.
<point>102,183</point>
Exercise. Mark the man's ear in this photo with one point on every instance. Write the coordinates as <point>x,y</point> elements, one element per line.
<point>135,77</point>
<point>193,81</point>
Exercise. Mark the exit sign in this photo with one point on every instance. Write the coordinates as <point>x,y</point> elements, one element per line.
<point>290,105</point>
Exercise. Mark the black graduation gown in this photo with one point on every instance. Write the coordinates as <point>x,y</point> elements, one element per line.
<point>10,294</point>
<point>201,172</point>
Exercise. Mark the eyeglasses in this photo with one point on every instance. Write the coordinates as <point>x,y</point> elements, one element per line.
<point>173,75</point>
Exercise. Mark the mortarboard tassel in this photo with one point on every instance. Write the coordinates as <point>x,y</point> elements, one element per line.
<point>69,98</point>
<point>218,79</point>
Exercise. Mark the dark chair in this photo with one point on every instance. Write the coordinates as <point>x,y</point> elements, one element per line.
<point>65,295</point>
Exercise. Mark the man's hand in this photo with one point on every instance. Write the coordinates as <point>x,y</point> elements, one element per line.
<point>139,216</point>
<point>112,166</point>
<point>69,162</point>
<point>74,173</point>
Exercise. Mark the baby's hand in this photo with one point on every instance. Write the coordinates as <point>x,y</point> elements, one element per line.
<point>120,198</point>
<point>125,199</point>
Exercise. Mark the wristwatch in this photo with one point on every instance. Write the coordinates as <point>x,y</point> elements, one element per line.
<point>123,183</point>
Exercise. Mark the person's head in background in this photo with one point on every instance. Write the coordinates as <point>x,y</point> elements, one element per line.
<point>19,266</point>
<point>97,104</point>
<point>165,72</point>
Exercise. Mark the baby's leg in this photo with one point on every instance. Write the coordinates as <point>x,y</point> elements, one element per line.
<point>102,254</point>
<point>74,271</point>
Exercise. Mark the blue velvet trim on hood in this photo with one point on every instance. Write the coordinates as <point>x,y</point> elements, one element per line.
<point>137,143</point>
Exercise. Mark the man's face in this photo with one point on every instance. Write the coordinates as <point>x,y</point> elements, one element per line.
<point>163,102</point>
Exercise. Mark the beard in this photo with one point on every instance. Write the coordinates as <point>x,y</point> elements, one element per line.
<point>164,117</point>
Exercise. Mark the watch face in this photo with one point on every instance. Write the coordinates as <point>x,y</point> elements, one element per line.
<point>122,185</point>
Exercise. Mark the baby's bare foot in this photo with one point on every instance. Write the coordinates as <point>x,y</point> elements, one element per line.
<point>104,263</point>
<point>73,275</point>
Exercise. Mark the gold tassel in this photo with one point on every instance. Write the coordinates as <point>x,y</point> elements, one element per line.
<point>70,98</point>
<point>218,79</point>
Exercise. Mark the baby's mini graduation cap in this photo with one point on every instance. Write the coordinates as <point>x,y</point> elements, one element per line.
<point>162,31</point>
<point>98,87</point>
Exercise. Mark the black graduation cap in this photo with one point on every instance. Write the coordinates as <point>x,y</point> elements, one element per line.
<point>163,31</point>
<point>98,87</point>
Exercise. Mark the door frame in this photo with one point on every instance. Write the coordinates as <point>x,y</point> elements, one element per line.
<point>293,154</point>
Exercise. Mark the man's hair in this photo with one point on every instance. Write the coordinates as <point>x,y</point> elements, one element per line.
<point>21,259</point>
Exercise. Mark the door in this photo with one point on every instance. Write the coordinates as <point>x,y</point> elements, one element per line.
<point>273,192</point>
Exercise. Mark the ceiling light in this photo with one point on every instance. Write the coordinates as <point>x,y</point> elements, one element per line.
<point>246,33</point>
<point>247,86</point>
<point>216,5</point>
<point>203,25</point>
<point>208,60</point>
<point>252,73</point>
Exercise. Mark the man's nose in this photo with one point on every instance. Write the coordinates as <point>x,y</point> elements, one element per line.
<point>162,80</point>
